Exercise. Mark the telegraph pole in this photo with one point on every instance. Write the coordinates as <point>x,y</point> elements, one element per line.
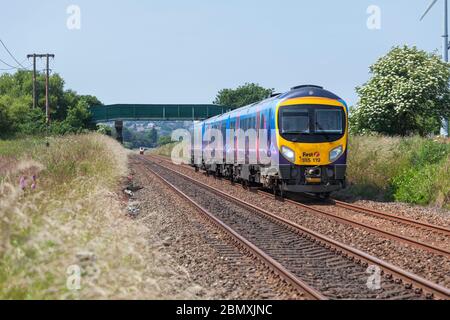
<point>34,79</point>
<point>445,48</point>
<point>47,75</point>
<point>445,45</point>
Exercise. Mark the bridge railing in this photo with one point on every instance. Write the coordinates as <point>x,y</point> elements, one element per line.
<point>156,112</point>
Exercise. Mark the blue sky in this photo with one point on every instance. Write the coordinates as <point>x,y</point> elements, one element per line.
<point>173,51</point>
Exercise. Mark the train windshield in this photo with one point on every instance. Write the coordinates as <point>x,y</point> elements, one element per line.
<point>312,123</point>
<point>328,121</point>
<point>295,121</point>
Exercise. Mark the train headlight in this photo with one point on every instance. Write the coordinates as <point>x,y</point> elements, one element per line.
<point>336,153</point>
<point>288,153</point>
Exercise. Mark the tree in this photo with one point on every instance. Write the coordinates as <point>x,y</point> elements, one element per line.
<point>79,116</point>
<point>69,111</point>
<point>5,120</point>
<point>34,122</point>
<point>104,129</point>
<point>242,96</point>
<point>153,136</point>
<point>164,140</point>
<point>407,94</point>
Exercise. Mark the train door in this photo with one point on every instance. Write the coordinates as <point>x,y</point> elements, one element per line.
<point>227,140</point>
<point>269,135</point>
<point>257,128</point>
<point>197,144</point>
<point>263,141</point>
<point>236,140</point>
<point>203,143</point>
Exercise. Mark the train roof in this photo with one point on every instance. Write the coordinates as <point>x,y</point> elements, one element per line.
<point>301,91</point>
<point>308,90</point>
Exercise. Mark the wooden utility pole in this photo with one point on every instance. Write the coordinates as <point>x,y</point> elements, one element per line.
<point>47,75</point>
<point>34,79</point>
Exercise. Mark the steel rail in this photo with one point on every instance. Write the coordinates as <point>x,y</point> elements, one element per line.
<point>431,288</point>
<point>286,275</point>
<point>388,234</point>
<point>390,216</point>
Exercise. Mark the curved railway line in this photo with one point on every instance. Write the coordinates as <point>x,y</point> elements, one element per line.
<point>388,234</point>
<point>318,266</point>
<point>430,247</point>
<point>390,216</point>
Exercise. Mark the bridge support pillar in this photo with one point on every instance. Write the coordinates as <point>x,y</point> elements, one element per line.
<point>119,130</point>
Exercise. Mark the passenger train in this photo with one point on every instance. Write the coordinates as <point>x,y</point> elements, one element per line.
<point>305,137</point>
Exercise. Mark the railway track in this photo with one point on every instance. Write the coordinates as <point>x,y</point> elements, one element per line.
<point>314,264</point>
<point>430,247</point>
<point>392,217</point>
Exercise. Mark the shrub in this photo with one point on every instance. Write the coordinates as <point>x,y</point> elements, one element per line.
<point>410,169</point>
<point>416,185</point>
<point>442,184</point>
<point>165,150</point>
<point>164,140</point>
<point>372,162</point>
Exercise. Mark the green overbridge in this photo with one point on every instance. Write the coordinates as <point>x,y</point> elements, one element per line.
<point>154,112</point>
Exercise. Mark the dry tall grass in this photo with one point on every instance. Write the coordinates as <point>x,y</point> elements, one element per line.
<point>442,185</point>
<point>165,150</point>
<point>73,219</point>
<point>372,162</point>
<point>409,169</point>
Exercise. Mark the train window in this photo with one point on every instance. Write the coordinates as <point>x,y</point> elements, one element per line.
<point>223,129</point>
<point>312,123</point>
<point>244,124</point>
<point>328,121</point>
<point>253,123</point>
<point>295,120</point>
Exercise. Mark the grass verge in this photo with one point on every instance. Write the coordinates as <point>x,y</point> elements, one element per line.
<point>165,150</point>
<point>412,169</point>
<point>68,237</point>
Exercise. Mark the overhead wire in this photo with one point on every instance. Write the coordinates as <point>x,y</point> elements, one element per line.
<point>12,56</point>
<point>12,67</point>
<point>27,68</point>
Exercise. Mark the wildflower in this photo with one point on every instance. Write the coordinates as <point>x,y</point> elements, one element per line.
<point>33,186</point>
<point>23,182</point>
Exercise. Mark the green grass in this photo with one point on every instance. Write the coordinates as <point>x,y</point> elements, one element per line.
<point>411,169</point>
<point>74,209</point>
<point>16,148</point>
<point>165,150</point>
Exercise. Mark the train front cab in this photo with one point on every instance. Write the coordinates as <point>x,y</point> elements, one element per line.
<point>312,138</point>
